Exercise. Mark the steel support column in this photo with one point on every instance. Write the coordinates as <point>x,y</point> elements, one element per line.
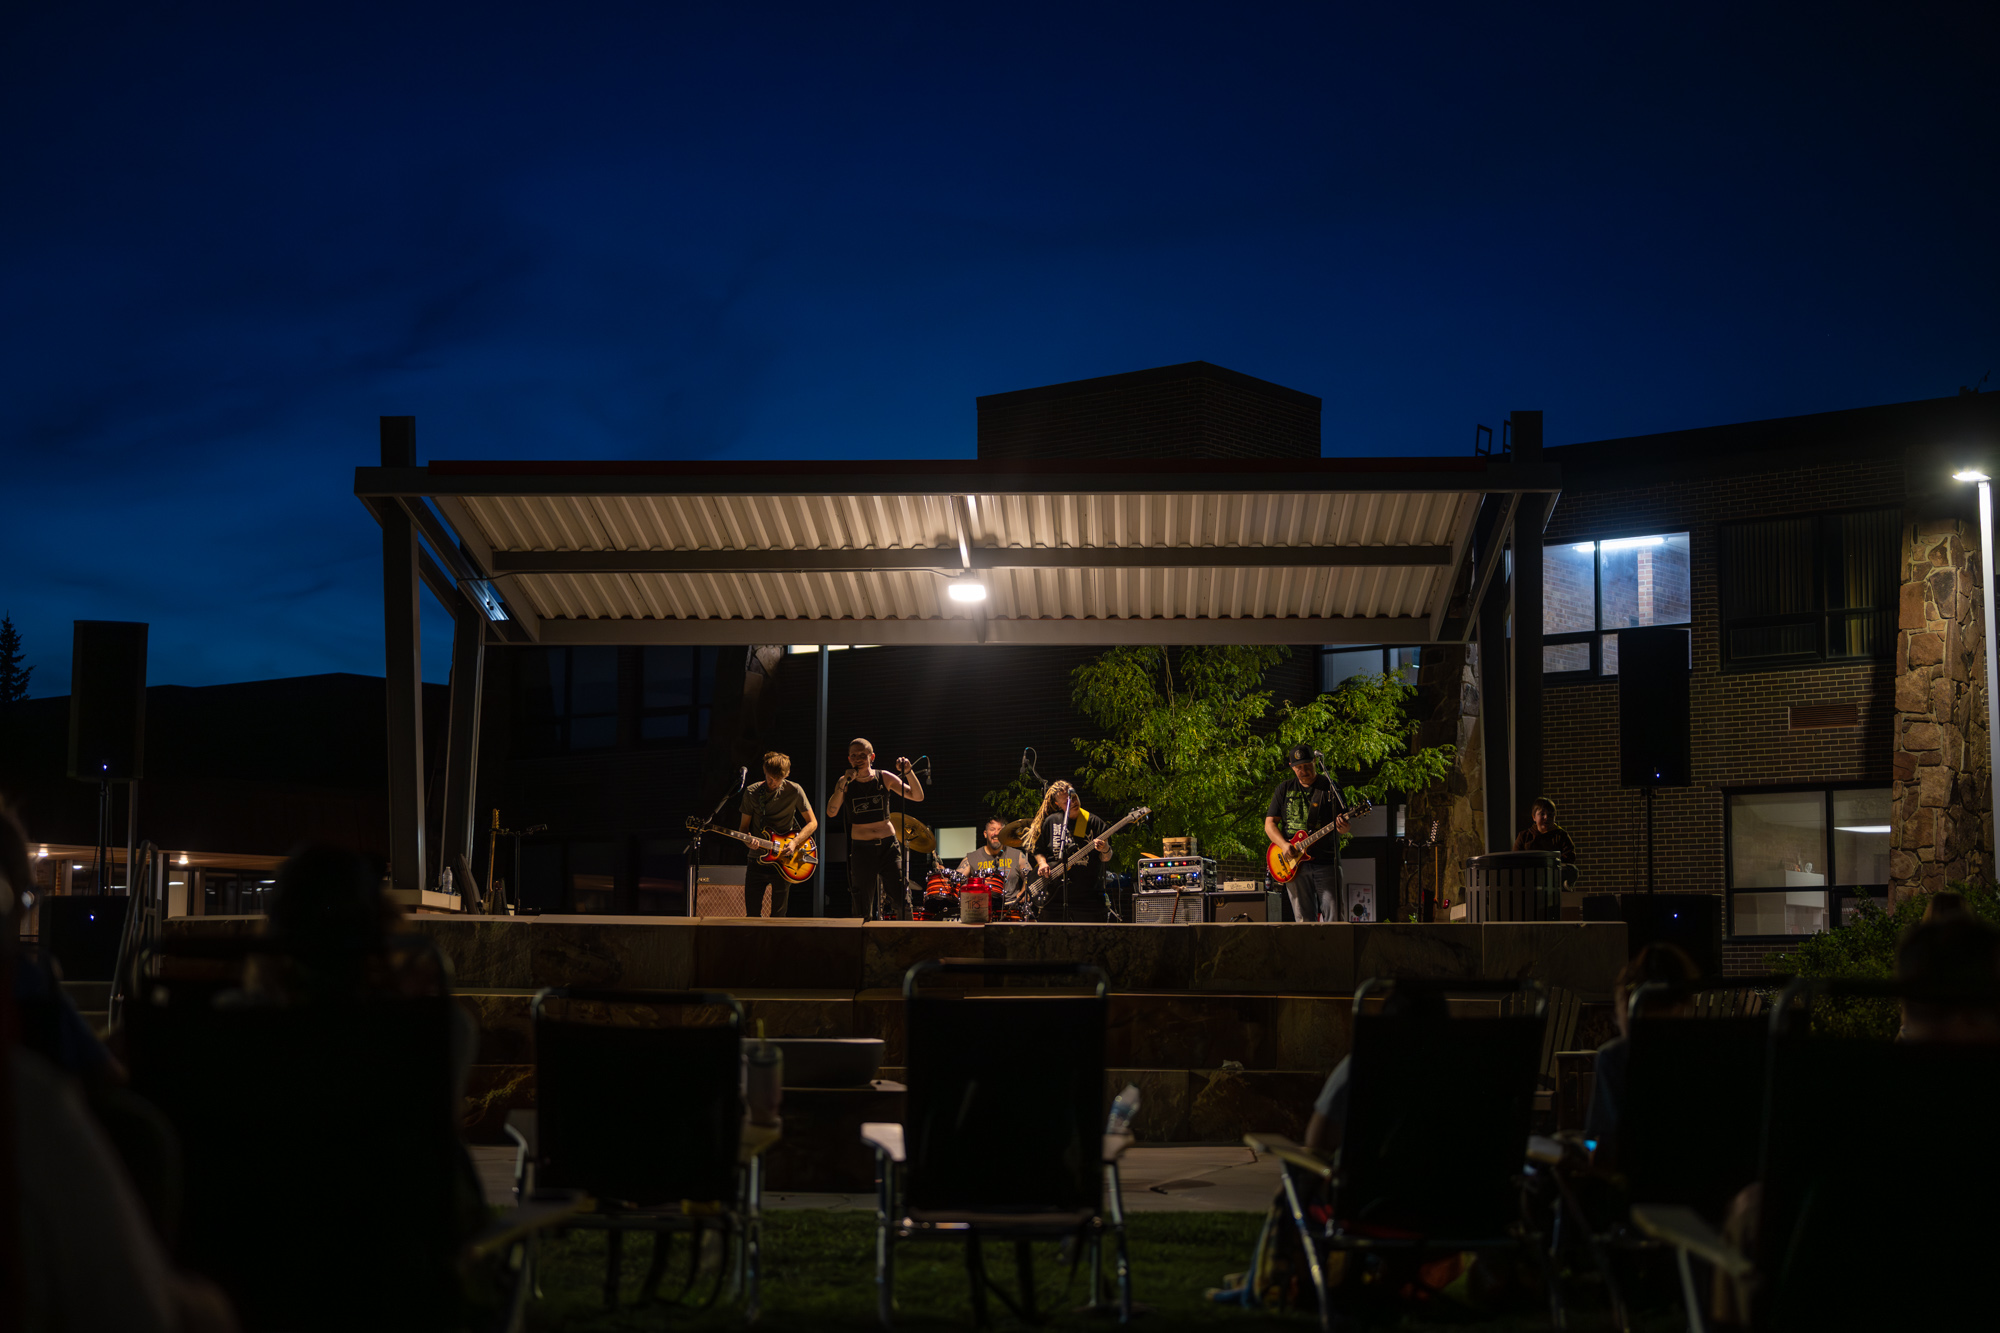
<point>1494,709</point>
<point>461,756</point>
<point>819,786</point>
<point>1525,732</point>
<point>403,652</point>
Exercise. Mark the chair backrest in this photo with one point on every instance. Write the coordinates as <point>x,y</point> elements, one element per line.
<point>1689,1121</point>
<point>324,1186</point>
<point>639,1095</point>
<point>1438,1117</point>
<point>1006,1104</point>
<point>1877,1180</point>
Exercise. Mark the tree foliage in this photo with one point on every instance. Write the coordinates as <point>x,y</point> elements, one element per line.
<point>1195,735</point>
<point>1864,949</point>
<point>13,676</point>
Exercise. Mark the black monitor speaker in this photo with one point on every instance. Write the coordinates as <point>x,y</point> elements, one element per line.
<point>1691,922</point>
<point>81,931</point>
<point>1653,707</point>
<point>107,701</point>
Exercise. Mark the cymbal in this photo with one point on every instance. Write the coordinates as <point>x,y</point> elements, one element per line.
<point>1012,835</point>
<point>913,835</point>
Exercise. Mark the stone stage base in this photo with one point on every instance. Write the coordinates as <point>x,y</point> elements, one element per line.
<point>1225,1028</point>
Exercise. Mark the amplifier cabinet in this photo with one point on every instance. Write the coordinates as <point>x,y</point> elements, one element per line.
<point>1255,905</point>
<point>1160,909</point>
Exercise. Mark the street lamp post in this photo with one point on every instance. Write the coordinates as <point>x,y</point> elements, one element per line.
<point>1986,609</point>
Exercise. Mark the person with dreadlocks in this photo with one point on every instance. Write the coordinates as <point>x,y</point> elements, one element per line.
<point>1052,838</point>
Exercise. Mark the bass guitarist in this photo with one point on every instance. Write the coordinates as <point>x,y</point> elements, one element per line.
<point>1305,801</point>
<point>775,808</point>
<point>1079,895</point>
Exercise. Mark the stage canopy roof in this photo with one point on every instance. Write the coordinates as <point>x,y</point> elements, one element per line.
<point>1073,552</point>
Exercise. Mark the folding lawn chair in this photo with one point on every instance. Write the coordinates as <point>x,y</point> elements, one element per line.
<point>648,1120</point>
<point>1004,1138</point>
<point>324,1185</point>
<point>1432,1151</point>
<point>1875,1185</point>
<point>1690,1118</point>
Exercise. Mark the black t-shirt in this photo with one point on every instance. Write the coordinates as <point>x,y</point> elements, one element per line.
<point>866,802</point>
<point>1059,834</point>
<point>1303,809</point>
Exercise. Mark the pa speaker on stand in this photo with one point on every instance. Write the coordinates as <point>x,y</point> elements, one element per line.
<point>1655,708</point>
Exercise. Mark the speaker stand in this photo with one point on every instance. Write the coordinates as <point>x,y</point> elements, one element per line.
<point>1649,840</point>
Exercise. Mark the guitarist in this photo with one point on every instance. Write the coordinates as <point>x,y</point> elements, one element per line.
<point>1305,801</point>
<point>775,808</point>
<point>1079,895</point>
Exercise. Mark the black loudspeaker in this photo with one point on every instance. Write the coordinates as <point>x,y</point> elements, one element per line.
<point>80,931</point>
<point>1689,921</point>
<point>1653,707</point>
<point>107,701</point>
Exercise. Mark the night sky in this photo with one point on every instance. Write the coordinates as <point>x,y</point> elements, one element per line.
<point>231,238</point>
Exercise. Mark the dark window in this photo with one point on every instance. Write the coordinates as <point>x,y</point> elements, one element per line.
<point>1591,590</point>
<point>675,694</point>
<point>1800,860</point>
<point>1813,588</point>
<point>567,700</point>
<point>1338,664</point>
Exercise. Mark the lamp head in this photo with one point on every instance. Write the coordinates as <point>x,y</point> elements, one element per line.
<point>1970,474</point>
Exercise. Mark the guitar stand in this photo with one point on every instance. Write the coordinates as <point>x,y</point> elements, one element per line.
<point>694,843</point>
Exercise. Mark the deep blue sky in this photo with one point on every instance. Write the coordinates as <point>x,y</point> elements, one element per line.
<point>230,239</point>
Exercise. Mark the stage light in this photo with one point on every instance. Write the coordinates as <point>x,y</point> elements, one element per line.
<point>966,590</point>
<point>184,858</point>
<point>42,855</point>
<point>1970,474</point>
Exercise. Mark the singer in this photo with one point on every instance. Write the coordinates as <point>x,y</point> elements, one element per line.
<point>874,885</point>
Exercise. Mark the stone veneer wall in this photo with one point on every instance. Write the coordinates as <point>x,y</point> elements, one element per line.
<point>1447,712</point>
<point>1941,804</point>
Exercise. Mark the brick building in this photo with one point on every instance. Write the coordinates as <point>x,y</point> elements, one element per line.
<point>1828,569</point>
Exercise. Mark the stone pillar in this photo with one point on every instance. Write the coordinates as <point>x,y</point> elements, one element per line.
<point>1447,710</point>
<point>1941,814</point>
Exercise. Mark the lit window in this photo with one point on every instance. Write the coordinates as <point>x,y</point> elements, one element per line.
<point>1591,590</point>
<point>1800,861</point>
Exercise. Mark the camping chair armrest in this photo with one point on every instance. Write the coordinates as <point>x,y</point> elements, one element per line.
<point>1115,1146</point>
<point>539,1214</point>
<point>1685,1229</point>
<point>886,1137</point>
<point>757,1140</point>
<point>1295,1154</point>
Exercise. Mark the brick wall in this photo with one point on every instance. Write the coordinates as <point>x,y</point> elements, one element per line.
<point>1195,410</point>
<point>1741,720</point>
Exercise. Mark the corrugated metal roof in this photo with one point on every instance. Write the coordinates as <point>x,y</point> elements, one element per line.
<point>1083,523</point>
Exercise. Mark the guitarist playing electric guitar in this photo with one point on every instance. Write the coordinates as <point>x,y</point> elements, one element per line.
<point>1303,804</point>
<point>778,809</point>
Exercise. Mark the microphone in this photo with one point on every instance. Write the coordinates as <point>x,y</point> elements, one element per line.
<point>742,777</point>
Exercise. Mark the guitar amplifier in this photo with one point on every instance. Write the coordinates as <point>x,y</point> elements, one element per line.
<point>1243,905</point>
<point>1189,874</point>
<point>1154,908</point>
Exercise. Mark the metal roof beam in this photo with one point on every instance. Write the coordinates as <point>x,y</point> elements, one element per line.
<point>872,478</point>
<point>997,630</point>
<point>947,559</point>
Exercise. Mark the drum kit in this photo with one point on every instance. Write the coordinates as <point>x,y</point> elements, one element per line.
<point>942,895</point>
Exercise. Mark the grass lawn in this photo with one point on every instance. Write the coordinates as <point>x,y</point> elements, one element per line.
<point>820,1274</point>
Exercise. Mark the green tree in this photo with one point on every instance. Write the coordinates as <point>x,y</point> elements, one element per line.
<point>13,676</point>
<point>1195,735</point>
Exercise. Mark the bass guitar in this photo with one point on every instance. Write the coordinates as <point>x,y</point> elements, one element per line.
<point>1283,862</point>
<point>796,858</point>
<point>1034,889</point>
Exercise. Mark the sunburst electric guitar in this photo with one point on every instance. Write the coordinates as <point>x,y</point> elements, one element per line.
<point>1283,862</point>
<point>795,857</point>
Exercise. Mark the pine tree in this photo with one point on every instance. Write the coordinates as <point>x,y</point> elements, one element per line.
<point>13,676</point>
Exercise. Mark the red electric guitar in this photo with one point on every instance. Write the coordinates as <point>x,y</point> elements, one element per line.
<point>795,857</point>
<point>1283,862</point>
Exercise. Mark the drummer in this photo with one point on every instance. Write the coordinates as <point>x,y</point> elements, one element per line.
<point>993,858</point>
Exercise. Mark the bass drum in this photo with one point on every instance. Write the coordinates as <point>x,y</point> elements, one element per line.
<point>1004,909</point>
<point>940,902</point>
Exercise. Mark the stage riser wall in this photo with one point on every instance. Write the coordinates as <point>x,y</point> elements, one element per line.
<point>850,956</point>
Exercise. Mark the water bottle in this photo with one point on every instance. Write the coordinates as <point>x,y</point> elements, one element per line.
<point>1123,1107</point>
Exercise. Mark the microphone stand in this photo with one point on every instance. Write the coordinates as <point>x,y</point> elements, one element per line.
<point>694,843</point>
